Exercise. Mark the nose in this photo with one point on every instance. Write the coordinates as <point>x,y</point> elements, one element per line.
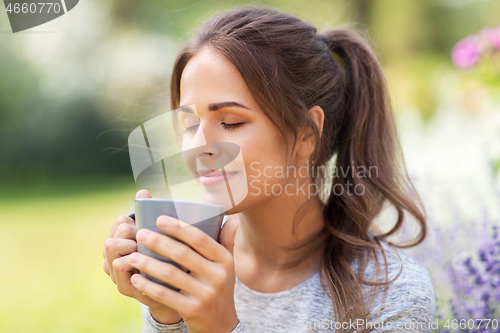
<point>201,147</point>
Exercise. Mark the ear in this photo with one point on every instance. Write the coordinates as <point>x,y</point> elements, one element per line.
<point>307,141</point>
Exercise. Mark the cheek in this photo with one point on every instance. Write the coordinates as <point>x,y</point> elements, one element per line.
<point>263,158</point>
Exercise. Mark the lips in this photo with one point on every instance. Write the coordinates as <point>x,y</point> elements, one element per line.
<point>209,177</point>
<point>209,172</point>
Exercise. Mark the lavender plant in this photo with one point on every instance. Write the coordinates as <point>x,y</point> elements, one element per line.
<point>463,260</point>
<point>476,284</point>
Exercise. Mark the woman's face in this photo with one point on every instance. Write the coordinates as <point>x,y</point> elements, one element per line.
<point>225,112</point>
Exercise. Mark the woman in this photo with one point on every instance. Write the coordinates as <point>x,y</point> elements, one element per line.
<point>294,260</point>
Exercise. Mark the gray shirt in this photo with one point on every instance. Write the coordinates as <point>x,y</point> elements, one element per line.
<point>409,304</point>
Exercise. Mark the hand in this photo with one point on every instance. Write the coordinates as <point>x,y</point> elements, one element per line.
<point>205,300</point>
<point>117,249</point>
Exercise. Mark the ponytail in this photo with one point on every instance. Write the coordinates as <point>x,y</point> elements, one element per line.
<point>366,142</point>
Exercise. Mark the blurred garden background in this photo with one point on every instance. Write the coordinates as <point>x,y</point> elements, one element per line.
<point>73,89</point>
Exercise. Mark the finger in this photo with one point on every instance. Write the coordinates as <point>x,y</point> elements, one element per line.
<point>143,194</point>
<point>123,272</point>
<point>106,267</point>
<point>126,231</point>
<point>119,221</point>
<point>118,247</point>
<point>228,233</point>
<point>174,250</point>
<point>166,296</point>
<point>166,272</point>
<point>194,237</point>
<point>115,248</point>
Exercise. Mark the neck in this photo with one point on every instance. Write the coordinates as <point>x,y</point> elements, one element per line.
<point>271,232</point>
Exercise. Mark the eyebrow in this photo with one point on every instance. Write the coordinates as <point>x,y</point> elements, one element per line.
<point>215,106</point>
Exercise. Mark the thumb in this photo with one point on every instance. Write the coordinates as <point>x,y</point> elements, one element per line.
<point>227,234</point>
<point>142,194</point>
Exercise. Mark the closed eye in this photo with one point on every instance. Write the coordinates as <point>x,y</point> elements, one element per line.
<point>231,126</point>
<point>224,125</point>
<point>189,129</point>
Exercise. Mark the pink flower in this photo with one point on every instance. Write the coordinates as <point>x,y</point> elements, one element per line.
<point>466,52</point>
<point>492,36</point>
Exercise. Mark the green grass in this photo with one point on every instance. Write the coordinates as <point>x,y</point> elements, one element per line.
<point>52,236</point>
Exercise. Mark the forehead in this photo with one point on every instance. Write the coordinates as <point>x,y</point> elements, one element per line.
<point>209,77</point>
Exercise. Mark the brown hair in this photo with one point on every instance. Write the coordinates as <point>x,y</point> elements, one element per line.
<point>289,68</point>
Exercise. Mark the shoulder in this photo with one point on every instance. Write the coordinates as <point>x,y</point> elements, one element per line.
<point>409,299</point>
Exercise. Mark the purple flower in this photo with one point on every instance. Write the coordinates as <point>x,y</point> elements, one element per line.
<point>474,283</point>
<point>466,52</point>
<point>491,36</point>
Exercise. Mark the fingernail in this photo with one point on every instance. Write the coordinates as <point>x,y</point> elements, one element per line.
<point>163,221</point>
<point>134,258</point>
<point>135,279</point>
<point>143,235</point>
